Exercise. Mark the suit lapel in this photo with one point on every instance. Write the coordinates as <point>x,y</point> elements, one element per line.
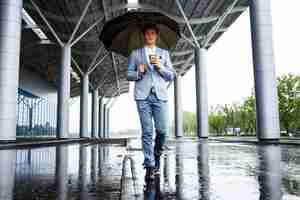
<point>145,59</point>
<point>157,51</point>
<point>144,55</point>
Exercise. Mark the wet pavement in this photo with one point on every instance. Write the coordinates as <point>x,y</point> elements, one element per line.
<point>189,170</point>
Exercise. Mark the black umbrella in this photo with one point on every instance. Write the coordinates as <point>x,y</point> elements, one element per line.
<point>124,33</point>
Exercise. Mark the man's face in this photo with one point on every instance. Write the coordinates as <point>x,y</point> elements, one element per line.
<point>150,36</point>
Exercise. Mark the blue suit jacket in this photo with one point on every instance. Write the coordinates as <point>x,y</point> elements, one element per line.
<point>159,79</point>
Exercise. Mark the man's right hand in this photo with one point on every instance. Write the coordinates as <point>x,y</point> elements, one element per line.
<point>142,68</point>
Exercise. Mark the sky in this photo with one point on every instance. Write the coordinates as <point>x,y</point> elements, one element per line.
<point>229,67</point>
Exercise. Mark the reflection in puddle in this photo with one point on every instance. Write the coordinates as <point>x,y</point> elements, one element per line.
<point>203,170</point>
<point>189,170</point>
<point>7,173</point>
<point>269,176</point>
<point>61,172</point>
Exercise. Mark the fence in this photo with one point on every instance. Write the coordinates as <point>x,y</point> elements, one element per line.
<point>36,117</point>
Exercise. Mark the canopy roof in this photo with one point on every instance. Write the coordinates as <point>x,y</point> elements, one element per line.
<point>40,51</point>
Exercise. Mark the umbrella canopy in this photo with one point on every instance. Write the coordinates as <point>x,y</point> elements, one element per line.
<point>124,33</point>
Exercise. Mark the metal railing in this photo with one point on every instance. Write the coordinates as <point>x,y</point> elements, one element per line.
<point>36,117</point>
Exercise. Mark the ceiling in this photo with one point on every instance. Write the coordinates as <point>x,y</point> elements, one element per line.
<point>209,19</point>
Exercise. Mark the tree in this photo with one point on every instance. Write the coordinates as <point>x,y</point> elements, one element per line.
<point>289,101</point>
<point>248,115</point>
<point>216,122</point>
<point>243,115</point>
<point>189,123</point>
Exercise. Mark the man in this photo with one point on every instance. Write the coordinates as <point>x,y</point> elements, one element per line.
<point>151,69</point>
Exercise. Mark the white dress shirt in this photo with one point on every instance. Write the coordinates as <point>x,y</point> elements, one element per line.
<point>150,51</point>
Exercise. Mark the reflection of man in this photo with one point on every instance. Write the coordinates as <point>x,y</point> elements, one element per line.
<point>151,69</point>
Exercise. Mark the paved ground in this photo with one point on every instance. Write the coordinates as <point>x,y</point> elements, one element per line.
<point>190,169</point>
<point>38,142</point>
<point>283,140</point>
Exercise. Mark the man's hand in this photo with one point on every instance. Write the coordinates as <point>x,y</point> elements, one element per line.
<point>142,68</point>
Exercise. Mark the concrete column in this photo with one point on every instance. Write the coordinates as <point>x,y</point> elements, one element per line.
<point>107,123</point>
<point>104,120</point>
<point>64,94</point>
<point>84,109</point>
<point>100,127</point>
<point>95,114</point>
<point>10,38</point>
<point>178,107</point>
<point>201,92</point>
<point>264,71</point>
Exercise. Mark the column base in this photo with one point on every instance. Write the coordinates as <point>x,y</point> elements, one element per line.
<point>86,137</point>
<point>269,140</point>
<point>63,138</point>
<point>7,141</point>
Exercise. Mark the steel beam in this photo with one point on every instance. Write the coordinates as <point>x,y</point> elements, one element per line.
<point>77,66</point>
<point>182,53</point>
<point>206,41</point>
<point>30,24</point>
<point>147,6</point>
<point>48,24</point>
<point>116,72</point>
<point>201,93</point>
<point>178,107</point>
<point>90,70</point>
<point>219,23</point>
<point>64,94</point>
<point>264,71</point>
<point>187,23</point>
<point>188,40</point>
<point>113,101</point>
<point>80,20</point>
<point>10,39</point>
<point>84,94</point>
<point>178,63</point>
<point>87,30</point>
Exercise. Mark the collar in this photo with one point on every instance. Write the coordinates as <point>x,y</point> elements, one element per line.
<point>151,47</point>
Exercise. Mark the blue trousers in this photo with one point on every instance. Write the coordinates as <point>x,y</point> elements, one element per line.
<point>148,109</point>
